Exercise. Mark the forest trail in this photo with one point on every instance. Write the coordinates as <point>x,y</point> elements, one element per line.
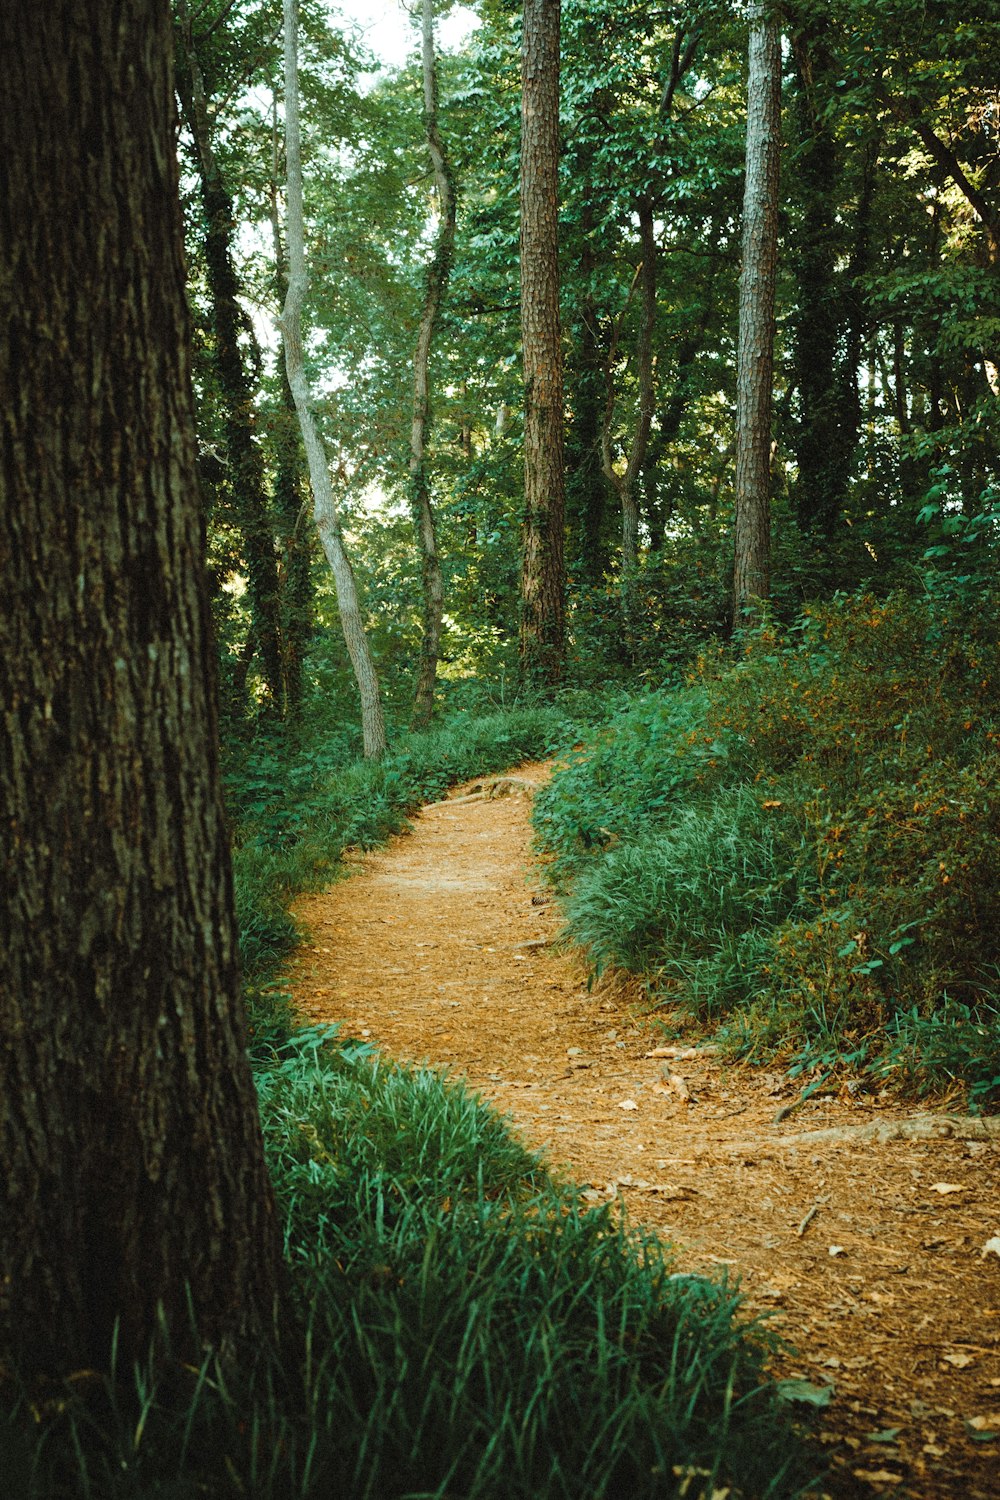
<point>868,1254</point>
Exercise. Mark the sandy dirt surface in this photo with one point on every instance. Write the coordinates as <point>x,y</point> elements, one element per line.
<point>868,1254</point>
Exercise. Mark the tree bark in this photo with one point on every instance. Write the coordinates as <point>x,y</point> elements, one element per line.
<point>131,1163</point>
<point>324,504</point>
<point>435,286</point>
<point>542,635</point>
<point>755,352</point>
<point>289,487</point>
<point>245,479</point>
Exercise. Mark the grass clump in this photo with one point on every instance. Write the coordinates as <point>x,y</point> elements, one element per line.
<point>805,842</point>
<point>468,1329</point>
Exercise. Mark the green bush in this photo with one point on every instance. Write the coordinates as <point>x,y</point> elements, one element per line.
<point>807,836</point>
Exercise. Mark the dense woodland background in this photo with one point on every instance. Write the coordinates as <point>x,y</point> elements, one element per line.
<point>583,495</point>
<point>849,886</point>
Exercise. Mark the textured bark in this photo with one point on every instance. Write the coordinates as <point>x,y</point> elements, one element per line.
<point>131,1164</point>
<point>755,352</point>
<point>289,486</point>
<point>435,286</point>
<point>324,504</point>
<point>542,639</point>
<point>245,480</point>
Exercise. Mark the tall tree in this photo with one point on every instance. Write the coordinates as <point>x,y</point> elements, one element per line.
<point>324,502</point>
<point>132,1174</point>
<point>542,638</point>
<point>755,352</point>
<point>435,286</point>
<point>245,479</point>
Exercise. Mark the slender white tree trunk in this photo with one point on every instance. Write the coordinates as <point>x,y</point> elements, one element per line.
<point>324,503</point>
<point>755,353</point>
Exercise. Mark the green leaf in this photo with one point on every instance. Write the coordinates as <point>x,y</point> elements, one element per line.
<point>804,1392</point>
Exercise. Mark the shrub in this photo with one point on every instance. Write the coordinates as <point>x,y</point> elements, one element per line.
<point>809,834</point>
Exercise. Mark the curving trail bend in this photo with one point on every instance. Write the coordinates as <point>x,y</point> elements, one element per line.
<point>438,948</point>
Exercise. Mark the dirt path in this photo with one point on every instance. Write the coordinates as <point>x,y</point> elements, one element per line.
<point>868,1254</point>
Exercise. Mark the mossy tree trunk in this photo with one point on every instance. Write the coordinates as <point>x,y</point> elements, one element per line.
<point>543,571</point>
<point>131,1165</point>
<point>755,349</point>
<point>245,479</point>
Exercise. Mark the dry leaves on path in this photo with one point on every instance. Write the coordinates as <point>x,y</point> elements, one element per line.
<point>439,948</point>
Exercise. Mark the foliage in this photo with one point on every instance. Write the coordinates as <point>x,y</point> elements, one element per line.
<point>469,1328</point>
<point>806,840</point>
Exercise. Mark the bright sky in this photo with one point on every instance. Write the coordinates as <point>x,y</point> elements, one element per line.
<point>390,32</point>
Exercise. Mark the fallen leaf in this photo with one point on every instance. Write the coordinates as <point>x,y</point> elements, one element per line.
<point>992,1247</point>
<point>678,1084</point>
<point>627,1104</point>
<point>887,1435</point>
<point>836,1250</point>
<point>988,1423</point>
<point>804,1392</point>
<point>947,1187</point>
<point>959,1361</point>
<point>877,1476</point>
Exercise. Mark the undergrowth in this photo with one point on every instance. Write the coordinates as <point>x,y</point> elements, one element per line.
<point>468,1329</point>
<point>803,846</point>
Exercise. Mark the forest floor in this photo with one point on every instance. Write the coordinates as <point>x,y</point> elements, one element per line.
<point>867,1253</point>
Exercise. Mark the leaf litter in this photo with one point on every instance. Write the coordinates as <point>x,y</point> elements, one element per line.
<point>703,1164</point>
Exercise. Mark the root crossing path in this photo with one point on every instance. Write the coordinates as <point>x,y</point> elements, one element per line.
<point>868,1252</point>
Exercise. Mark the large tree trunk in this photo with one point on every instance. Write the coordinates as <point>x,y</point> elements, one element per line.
<point>289,483</point>
<point>245,480</point>
<point>324,504</point>
<point>543,567</point>
<point>755,353</point>
<point>131,1164</point>
<point>435,285</point>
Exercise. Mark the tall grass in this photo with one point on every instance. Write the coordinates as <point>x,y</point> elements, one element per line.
<point>807,841</point>
<point>468,1329</point>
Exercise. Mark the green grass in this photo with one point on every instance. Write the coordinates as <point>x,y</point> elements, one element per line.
<point>804,843</point>
<point>469,1330</point>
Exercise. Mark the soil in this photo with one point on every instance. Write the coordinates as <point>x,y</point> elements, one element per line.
<point>867,1254</point>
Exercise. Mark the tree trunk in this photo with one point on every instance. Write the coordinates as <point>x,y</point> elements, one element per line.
<point>542,639</point>
<point>290,504</point>
<point>131,1163</point>
<point>245,479</point>
<point>755,352</point>
<point>435,285</point>
<point>324,504</point>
